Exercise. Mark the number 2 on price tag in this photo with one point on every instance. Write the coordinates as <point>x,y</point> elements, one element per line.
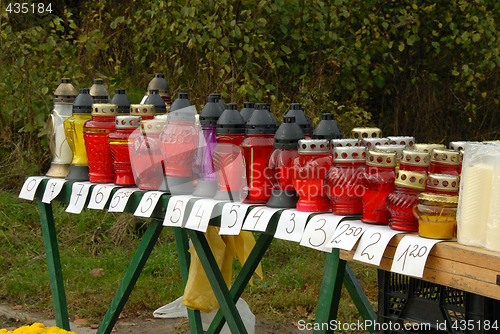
<point>347,234</point>
<point>411,255</point>
<point>373,243</point>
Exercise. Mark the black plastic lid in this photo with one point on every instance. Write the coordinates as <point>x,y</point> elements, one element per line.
<point>210,112</point>
<point>300,118</point>
<point>288,134</point>
<point>261,122</point>
<point>155,99</point>
<point>159,82</point>
<point>83,102</point>
<point>268,108</point>
<point>122,101</point>
<point>180,102</point>
<point>327,128</point>
<point>218,96</point>
<point>247,111</point>
<point>231,121</point>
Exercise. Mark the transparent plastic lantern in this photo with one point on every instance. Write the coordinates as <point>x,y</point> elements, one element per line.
<point>145,155</point>
<point>203,164</point>
<point>179,141</point>
<point>228,160</point>
<point>309,170</point>
<point>407,186</point>
<point>360,133</point>
<point>64,96</point>
<point>344,181</point>
<point>119,146</point>
<point>145,111</point>
<point>378,183</point>
<point>279,167</point>
<point>444,161</point>
<point>95,133</point>
<point>73,129</point>
<point>257,148</point>
<point>415,160</point>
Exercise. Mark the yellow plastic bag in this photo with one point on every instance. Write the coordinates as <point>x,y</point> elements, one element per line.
<point>198,294</point>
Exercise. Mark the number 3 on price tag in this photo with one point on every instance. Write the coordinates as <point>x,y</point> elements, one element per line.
<point>319,230</point>
<point>176,207</point>
<point>291,225</point>
<point>411,255</point>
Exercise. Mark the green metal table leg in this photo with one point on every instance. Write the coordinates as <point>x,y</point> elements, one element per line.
<point>329,295</point>
<point>217,282</point>
<point>53,264</point>
<point>182,243</point>
<point>243,278</point>
<point>131,275</point>
<point>358,296</point>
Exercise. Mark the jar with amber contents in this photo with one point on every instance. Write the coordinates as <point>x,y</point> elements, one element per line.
<point>436,214</point>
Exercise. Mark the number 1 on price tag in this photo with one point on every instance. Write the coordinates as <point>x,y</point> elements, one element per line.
<point>411,255</point>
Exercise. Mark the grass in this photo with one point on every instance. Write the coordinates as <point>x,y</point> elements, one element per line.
<point>96,248</point>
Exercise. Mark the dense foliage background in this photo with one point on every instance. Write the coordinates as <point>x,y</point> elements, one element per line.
<point>423,68</point>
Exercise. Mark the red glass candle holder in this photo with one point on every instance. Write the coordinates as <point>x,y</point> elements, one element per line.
<point>179,141</point>
<point>280,164</point>
<point>119,147</point>
<point>444,161</point>
<point>228,158</point>
<point>344,181</point>
<point>407,186</point>
<point>415,160</point>
<point>145,111</point>
<point>443,184</point>
<point>95,133</point>
<point>309,170</point>
<point>257,148</point>
<point>146,157</point>
<point>379,182</point>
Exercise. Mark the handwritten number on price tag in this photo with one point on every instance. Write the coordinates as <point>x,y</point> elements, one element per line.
<point>411,255</point>
<point>176,207</point>
<point>99,196</point>
<point>291,225</point>
<point>258,214</point>
<point>200,215</point>
<point>373,243</point>
<point>53,188</point>
<point>79,193</point>
<point>148,204</point>
<point>321,221</point>
<point>319,230</point>
<point>30,186</point>
<point>259,218</point>
<point>347,234</point>
<point>232,218</point>
<point>120,199</point>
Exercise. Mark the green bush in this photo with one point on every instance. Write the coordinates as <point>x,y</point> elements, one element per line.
<point>429,69</point>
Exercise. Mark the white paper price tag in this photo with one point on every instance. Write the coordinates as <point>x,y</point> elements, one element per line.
<point>373,243</point>
<point>200,215</point>
<point>411,255</point>
<point>120,199</point>
<point>347,234</point>
<point>291,225</point>
<point>232,218</point>
<point>30,186</point>
<point>174,216</point>
<point>319,230</point>
<point>258,218</point>
<point>53,188</point>
<point>100,195</point>
<point>148,204</point>
<point>79,193</point>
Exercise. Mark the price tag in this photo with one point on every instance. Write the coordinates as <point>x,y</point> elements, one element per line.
<point>411,255</point>
<point>174,216</point>
<point>291,225</point>
<point>79,193</point>
<point>373,243</point>
<point>200,214</point>
<point>30,186</point>
<point>100,195</point>
<point>232,218</point>
<point>148,204</point>
<point>347,234</point>
<point>53,188</point>
<point>258,218</point>
<point>319,230</point>
<point>120,199</point>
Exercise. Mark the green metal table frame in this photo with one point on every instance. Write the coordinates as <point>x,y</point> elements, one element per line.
<point>335,272</point>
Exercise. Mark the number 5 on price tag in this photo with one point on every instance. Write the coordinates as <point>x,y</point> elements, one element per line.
<point>176,207</point>
<point>411,255</point>
<point>120,199</point>
<point>319,230</point>
<point>232,218</point>
<point>148,204</point>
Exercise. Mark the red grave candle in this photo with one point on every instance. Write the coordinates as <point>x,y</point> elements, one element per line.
<point>379,182</point>
<point>95,134</point>
<point>415,160</point>
<point>444,161</point>
<point>119,146</point>
<point>407,186</point>
<point>145,155</point>
<point>146,111</point>
<point>309,170</point>
<point>443,184</point>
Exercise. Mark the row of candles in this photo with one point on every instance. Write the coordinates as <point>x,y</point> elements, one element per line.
<point>248,156</point>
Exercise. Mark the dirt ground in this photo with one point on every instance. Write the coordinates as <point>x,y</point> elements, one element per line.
<point>143,323</point>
